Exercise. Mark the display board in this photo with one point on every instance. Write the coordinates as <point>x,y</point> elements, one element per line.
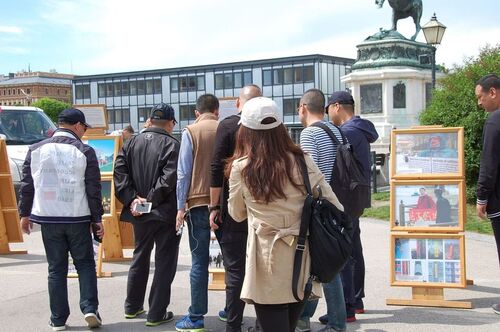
<point>427,214</point>
<point>96,116</point>
<point>10,227</point>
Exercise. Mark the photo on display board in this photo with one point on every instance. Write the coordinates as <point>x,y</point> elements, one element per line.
<point>106,195</point>
<point>427,260</point>
<point>429,205</point>
<point>431,152</point>
<point>105,150</point>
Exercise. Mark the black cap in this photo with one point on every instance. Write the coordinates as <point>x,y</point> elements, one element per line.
<point>72,116</point>
<point>341,97</point>
<point>162,111</point>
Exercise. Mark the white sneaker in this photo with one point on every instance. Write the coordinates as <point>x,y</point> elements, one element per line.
<point>93,319</point>
<point>57,328</point>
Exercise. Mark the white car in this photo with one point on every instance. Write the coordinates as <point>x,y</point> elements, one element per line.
<point>22,126</point>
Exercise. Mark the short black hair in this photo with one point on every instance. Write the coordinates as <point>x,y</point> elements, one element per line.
<point>207,103</point>
<point>314,99</point>
<point>489,81</point>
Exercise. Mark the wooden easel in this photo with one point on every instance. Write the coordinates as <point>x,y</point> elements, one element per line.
<point>431,295</point>
<point>10,228</point>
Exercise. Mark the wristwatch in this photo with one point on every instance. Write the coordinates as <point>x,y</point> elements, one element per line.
<point>213,208</point>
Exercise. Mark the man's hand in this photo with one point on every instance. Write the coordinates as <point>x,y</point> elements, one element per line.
<point>26,225</point>
<point>215,219</point>
<point>136,201</point>
<point>481,210</point>
<point>100,230</point>
<point>179,219</point>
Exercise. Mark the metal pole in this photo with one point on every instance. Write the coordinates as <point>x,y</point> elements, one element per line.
<point>433,67</point>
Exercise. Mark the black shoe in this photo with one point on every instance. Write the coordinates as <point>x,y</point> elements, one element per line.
<point>93,319</point>
<point>56,327</point>
<point>168,317</point>
<point>496,308</point>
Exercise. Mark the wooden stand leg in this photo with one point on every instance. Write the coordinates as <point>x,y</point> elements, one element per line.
<point>429,297</point>
<point>100,273</point>
<point>111,243</point>
<point>217,279</point>
<point>4,240</point>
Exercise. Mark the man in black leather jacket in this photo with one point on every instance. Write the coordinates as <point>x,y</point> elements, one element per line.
<point>146,171</point>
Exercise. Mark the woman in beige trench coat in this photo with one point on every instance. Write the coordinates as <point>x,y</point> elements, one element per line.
<point>266,186</point>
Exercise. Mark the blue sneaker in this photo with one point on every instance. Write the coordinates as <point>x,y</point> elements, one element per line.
<point>186,324</point>
<point>223,315</point>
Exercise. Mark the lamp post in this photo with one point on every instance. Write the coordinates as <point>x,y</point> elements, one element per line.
<point>433,32</point>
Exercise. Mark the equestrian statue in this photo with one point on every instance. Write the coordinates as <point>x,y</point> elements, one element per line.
<point>403,9</point>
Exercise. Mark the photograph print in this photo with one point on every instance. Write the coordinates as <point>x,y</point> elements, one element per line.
<point>427,152</point>
<point>105,152</point>
<point>426,204</point>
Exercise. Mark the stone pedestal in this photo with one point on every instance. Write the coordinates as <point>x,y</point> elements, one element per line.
<point>390,83</point>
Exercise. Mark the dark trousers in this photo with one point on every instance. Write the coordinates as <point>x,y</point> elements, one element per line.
<point>234,256</point>
<point>278,317</point>
<point>146,235</point>
<point>495,224</point>
<point>58,240</point>
<point>353,274</point>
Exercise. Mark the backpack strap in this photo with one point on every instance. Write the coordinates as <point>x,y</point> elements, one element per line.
<point>301,240</point>
<point>330,133</point>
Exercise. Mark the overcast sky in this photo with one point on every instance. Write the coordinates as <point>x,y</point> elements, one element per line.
<point>105,36</point>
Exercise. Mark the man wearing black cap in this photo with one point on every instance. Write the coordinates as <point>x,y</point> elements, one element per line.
<point>61,191</point>
<point>360,133</point>
<point>146,171</point>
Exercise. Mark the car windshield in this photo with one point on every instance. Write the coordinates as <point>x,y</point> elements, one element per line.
<point>22,127</point>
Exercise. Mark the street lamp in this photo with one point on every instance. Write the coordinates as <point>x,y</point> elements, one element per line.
<point>433,32</point>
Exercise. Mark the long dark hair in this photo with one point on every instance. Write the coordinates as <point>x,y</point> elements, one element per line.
<point>270,164</point>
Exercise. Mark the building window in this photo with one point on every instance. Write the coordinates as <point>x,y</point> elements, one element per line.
<point>119,116</point>
<point>82,91</point>
<point>133,88</point>
<point>125,91</point>
<point>232,80</point>
<point>101,90</point>
<point>149,87</point>
<point>28,91</point>
<point>157,85</point>
<point>304,74</point>
<point>290,106</point>
<point>186,112</point>
<point>143,113</point>
<point>117,88</point>
<point>141,87</point>
<point>189,83</point>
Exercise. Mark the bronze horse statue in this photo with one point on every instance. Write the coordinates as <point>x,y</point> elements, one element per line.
<point>403,9</point>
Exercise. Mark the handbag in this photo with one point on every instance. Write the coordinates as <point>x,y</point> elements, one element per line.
<point>329,238</point>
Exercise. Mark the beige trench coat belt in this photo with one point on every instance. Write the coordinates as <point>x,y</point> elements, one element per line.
<point>287,235</point>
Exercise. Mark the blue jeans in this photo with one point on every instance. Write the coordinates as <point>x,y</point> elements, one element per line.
<point>334,297</point>
<point>58,240</point>
<point>199,243</point>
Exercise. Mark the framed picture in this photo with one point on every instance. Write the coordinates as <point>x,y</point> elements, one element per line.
<point>106,148</point>
<point>95,115</point>
<point>428,260</point>
<point>428,205</point>
<point>107,195</point>
<point>427,152</point>
<point>227,107</point>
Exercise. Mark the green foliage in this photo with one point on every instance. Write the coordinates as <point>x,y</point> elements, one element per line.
<point>454,104</point>
<point>381,196</point>
<point>51,107</point>
<point>381,212</point>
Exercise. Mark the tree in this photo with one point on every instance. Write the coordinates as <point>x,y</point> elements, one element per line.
<point>51,107</point>
<point>454,104</point>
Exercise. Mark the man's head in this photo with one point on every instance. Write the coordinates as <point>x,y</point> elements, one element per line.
<point>163,116</point>
<point>340,107</point>
<point>73,119</point>
<point>488,92</point>
<point>311,106</point>
<point>423,191</point>
<point>246,93</point>
<point>127,132</point>
<point>207,103</point>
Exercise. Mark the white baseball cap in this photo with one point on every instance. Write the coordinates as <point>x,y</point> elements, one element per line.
<point>256,110</point>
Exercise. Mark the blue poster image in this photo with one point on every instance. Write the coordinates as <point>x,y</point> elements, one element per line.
<point>105,152</point>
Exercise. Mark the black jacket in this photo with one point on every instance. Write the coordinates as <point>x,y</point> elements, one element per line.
<point>225,141</point>
<point>488,184</point>
<point>147,167</point>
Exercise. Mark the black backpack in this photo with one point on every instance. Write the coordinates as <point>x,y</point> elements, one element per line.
<point>348,181</point>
